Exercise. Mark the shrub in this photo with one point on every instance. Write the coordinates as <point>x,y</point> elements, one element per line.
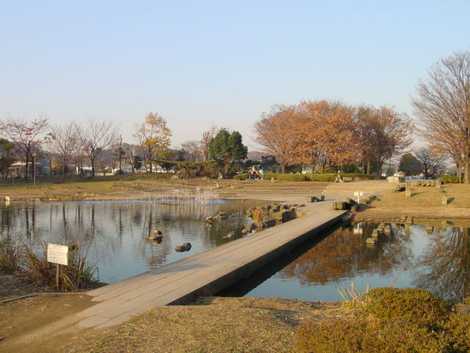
<point>324,177</point>
<point>241,176</point>
<point>410,305</point>
<point>356,335</point>
<point>197,169</point>
<point>450,179</point>
<point>330,336</point>
<point>287,176</point>
<point>458,330</point>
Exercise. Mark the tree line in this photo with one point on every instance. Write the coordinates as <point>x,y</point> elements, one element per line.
<point>90,143</point>
<point>322,134</point>
<point>328,134</point>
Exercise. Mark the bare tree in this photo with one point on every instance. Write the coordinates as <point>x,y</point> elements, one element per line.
<point>192,150</point>
<point>383,132</point>
<point>443,106</point>
<point>26,135</point>
<point>207,137</point>
<point>95,137</point>
<point>64,141</point>
<point>432,163</point>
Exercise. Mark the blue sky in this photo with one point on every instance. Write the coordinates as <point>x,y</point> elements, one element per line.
<point>203,63</point>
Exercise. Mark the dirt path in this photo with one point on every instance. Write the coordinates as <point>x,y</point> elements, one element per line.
<point>27,325</point>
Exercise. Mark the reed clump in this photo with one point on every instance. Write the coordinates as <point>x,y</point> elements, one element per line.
<point>31,263</point>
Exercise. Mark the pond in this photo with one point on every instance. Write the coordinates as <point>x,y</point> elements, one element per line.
<point>436,258</point>
<point>112,234</point>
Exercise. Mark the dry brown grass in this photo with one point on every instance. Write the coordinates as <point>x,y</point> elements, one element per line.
<point>128,188</point>
<point>218,325</point>
<point>212,325</point>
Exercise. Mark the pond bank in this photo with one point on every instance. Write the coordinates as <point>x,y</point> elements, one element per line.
<point>230,325</point>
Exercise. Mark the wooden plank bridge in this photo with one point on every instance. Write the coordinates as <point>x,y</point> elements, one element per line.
<point>203,274</point>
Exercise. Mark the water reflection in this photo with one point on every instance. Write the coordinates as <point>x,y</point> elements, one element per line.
<point>446,264</point>
<point>434,258</point>
<point>112,234</point>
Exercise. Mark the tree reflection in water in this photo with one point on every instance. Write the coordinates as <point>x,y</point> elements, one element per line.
<point>112,234</point>
<point>446,264</point>
<point>343,255</point>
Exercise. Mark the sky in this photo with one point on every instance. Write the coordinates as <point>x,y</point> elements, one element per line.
<point>205,63</point>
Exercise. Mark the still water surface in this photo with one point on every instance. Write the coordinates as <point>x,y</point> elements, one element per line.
<point>112,233</point>
<point>436,258</point>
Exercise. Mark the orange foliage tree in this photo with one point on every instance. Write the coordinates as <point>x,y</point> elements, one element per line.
<point>332,134</point>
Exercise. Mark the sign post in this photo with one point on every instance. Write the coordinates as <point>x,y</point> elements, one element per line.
<point>59,255</point>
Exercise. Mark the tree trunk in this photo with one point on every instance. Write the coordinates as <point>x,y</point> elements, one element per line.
<point>26,167</point>
<point>459,172</point>
<point>466,153</point>
<point>92,161</point>
<point>283,168</point>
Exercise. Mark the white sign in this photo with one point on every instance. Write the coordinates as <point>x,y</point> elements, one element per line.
<point>58,254</point>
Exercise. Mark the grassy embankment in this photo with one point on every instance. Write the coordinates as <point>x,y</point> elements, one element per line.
<point>384,320</point>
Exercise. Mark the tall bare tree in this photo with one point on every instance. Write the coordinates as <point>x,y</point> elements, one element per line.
<point>192,150</point>
<point>443,105</point>
<point>383,132</point>
<point>432,163</point>
<point>27,135</point>
<point>95,137</point>
<point>206,139</point>
<point>64,141</point>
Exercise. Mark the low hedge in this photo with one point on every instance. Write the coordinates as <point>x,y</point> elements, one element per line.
<point>410,305</point>
<point>324,177</point>
<point>390,320</point>
<point>356,335</point>
<point>450,179</point>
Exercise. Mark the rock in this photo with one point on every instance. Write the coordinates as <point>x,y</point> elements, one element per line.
<point>2,338</point>
<point>210,220</point>
<point>276,208</point>
<point>288,215</point>
<point>375,234</point>
<point>388,231</point>
<point>222,215</point>
<point>301,205</point>
<point>445,200</point>
<point>340,205</point>
<point>371,241</point>
<point>229,235</point>
<point>183,247</point>
<point>269,223</point>
<point>252,228</point>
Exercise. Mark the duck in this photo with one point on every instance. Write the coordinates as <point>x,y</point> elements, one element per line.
<point>155,235</point>
<point>183,247</point>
